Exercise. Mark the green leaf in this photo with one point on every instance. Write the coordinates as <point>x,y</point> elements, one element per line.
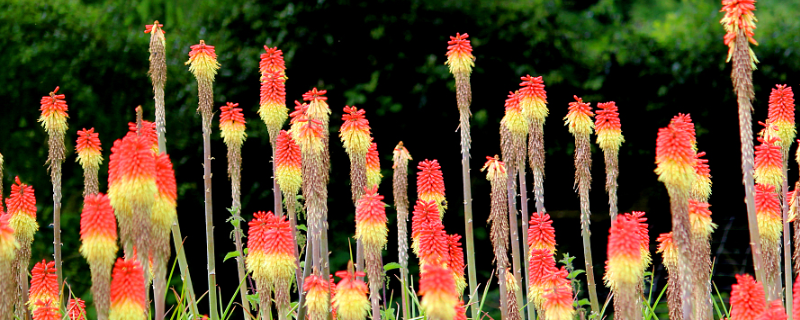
<point>253,298</point>
<point>302,227</point>
<point>583,302</point>
<point>575,273</point>
<point>232,254</point>
<point>391,266</point>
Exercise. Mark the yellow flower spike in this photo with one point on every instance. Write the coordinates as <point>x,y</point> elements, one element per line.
<point>533,99</point>
<point>579,118</point>
<point>459,54</point>
<point>203,61</point>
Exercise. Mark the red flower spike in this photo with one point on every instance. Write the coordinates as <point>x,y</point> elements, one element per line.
<point>433,244</point>
<point>541,234</point>
<point>127,289</point>
<point>288,162</point>
<point>425,213</point>
<point>270,244</point>
<point>540,264</point>
<point>44,283</point>
<point>623,266</point>
<point>76,309</point>
<point>739,16</point>
<point>747,298</point>
<point>88,147</point>
<point>273,90</point>
<point>579,117</point>
<point>232,124</point>
<point>230,112</point>
<point>768,162</point>
<point>272,61</point>
<point>767,201</point>
<point>350,300</point>
<point>438,291</point>
<point>148,132</point>
<point>781,104</point>
<point>430,184</point>
<point>203,49</point>
<point>675,156</point>
<point>315,95</point>
<point>21,200</point>
<point>456,261</point>
<point>459,54</point>
<point>203,61</point>
<point>533,98</point>
<point>46,310</point>
<point>355,131</point>
<point>775,311</point>
<point>54,112</point>
<point>558,303</point>
<point>373,166</point>
<point>98,229</point>
<point>149,27</point>
<point>684,122</point>
<point>317,296</point>
<point>607,126</point>
<point>371,219</point>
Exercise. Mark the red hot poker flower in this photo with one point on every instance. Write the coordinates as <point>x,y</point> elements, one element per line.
<point>288,160</point>
<point>684,122</point>
<point>425,212</point>
<point>203,61</point>
<point>21,200</point>
<point>373,166</point>
<point>149,27</point>
<point>371,219</point>
<point>558,303</point>
<point>768,162</point>
<point>315,95</point>
<point>541,234</point>
<point>88,148</point>
<point>739,16</point>
<point>272,61</point>
<point>44,283</point>
<point>270,245</point>
<point>430,184</point>
<point>459,54</point>
<point>76,309</point>
<point>317,296</point>
<point>623,267</point>
<point>675,156</point>
<point>98,230</point>
<point>127,289</point>
<point>579,117</point>
<point>232,124</point>
<point>747,298</point>
<point>774,311</point>
<point>54,112</point>
<point>781,114</point>
<point>607,126</point>
<point>45,310</point>
<point>533,98</point>
<point>355,131</point>
<point>438,291</point>
<point>456,261</point>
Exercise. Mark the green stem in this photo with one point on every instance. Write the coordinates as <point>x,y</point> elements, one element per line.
<point>787,244</point>
<point>212,270</point>
<point>468,237</point>
<point>56,178</point>
<point>514,234</point>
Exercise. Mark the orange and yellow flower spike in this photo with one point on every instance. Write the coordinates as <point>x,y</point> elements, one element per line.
<point>675,157</point>
<point>318,110</point>
<point>624,267</point>
<point>513,132</point>
<point>272,109</point>
<point>540,264</point>
<point>44,284</point>
<point>739,20</point>
<point>541,234</point>
<point>438,291</point>
<point>99,247</point>
<point>8,248</point>
<point>90,158</point>
<point>271,257</point>
<point>423,221</point>
<point>700,218</point>
<point>456,262</point>
<point>76,309</point>
<point>164,215</point>
<point>430,184</point>
<point>46,309</point>
<point>317,297</point>
<point>232,125</point>
<point>374,175</point>
<point>355,135</point>
<point>289,163</point>
<point>203,61</point>
<point>609,138</point>
<point>533,99</point>
<point>350,301</point>
<point>579,118</point>
<point>781,115</point>
<point>701,188</point>
<point>128,291</point>
<point>768,161</point>
<point>669,256</point>
<point>558,304</point>
<point>770,227</point>
<point>371,230</point>
<point>132,191</point>
<point>21,206</point>
<point>459,55</point>
<point>747,298</point>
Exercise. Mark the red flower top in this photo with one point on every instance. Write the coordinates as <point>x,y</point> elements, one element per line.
<point>373,165</point>
<point>287,153</point>
<point>21,199</point>
<point>641,223</point>
<point>272,61</point>
<point>148,131</point>
<point>350,281</point>
<point>131,158</point>
<point>97,218</point>
<point>127,285</point>
<point>624,238</point>
<point>512,103</point>
<point>425,212</point>
<point>701,167</point>
<point>767,201</point>
<point>44,282</point>
<point>558,303</point>
<point>203,61</point>
<point>675,156</point>
<point>273,89</point>
<point>430,182</point>
<point>370,207</point>
<point>532,88</point>
<point>774,311</point>
<point>400,154</point>
<point>436,280</point>
<point>738,15</point>
<point>607,117</point>
<point>315,95</point>
<point>747,298</point>
<point>684,122</point>
<point>46,310</point>
<point>270,234</point>
<point>355,130</point>
<point>579,117</point>
<point>433,244</point>
<point>497,169</point>
<point>54,112</point>
<point>88,142</point>
<point>541,234</point>
<point>781,104</point>
<point>202,49</point>
<point>456,253</point>
<point>768,153</point>
<point>165,177</point>
<point>149,27</point>
<point>540,264</point>
<point>459,54</point>
<point>667,248</point>
<point>230,112</point>
<point>76,309</point>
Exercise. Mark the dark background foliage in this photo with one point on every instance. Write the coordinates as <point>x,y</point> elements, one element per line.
<point>654,58</point>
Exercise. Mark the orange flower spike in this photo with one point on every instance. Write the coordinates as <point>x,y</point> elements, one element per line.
<point>308,134</point>
<point>781,114</point>
<point>164,212</point>
<point>579,118</point>
<point>288,161</point>
<point>373,166</point>
<point>272,61</point>
<point>607,126</point>
<point>355,131</point>
<point>350,301</point>
<point>76,309</point>
<point>430,184</point>
<point>433,244</point>
<point>747,298</point>
<point>44,283</point>
<point>541,234</point>
<point>456,262</point>
<point>271,255</point>
<point>45,309</point>
<point>644,237</point>
<point>317,297</point>
<point>739,16</point>
<point>558,303</point>
<point>675,156</point>
<point>623,267</point>
<point>774,311</point>
<point>438,291</point>
<point>540,264</point>
<point>371,219</point>
<point>459,54</point>
<point>317,107</point>
<point>768,210</point>
<point>54,113</point>
<point>425,212</point>
<point>272,107</point>
<point>701,189</point>
<point>768,162</point>
<point>21,206</point>
<point>8,244</point>
<point>232,124</point>
<point>128,291</point>
<point>533,99</point>
<point>669,253</point>
<point>514,119</point>
<point>700,218</point>
<point>98,230</point>
<point>203,61</point>
<point>88,149</point>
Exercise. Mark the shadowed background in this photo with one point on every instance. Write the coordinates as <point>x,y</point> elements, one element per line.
<point>655,59</point>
